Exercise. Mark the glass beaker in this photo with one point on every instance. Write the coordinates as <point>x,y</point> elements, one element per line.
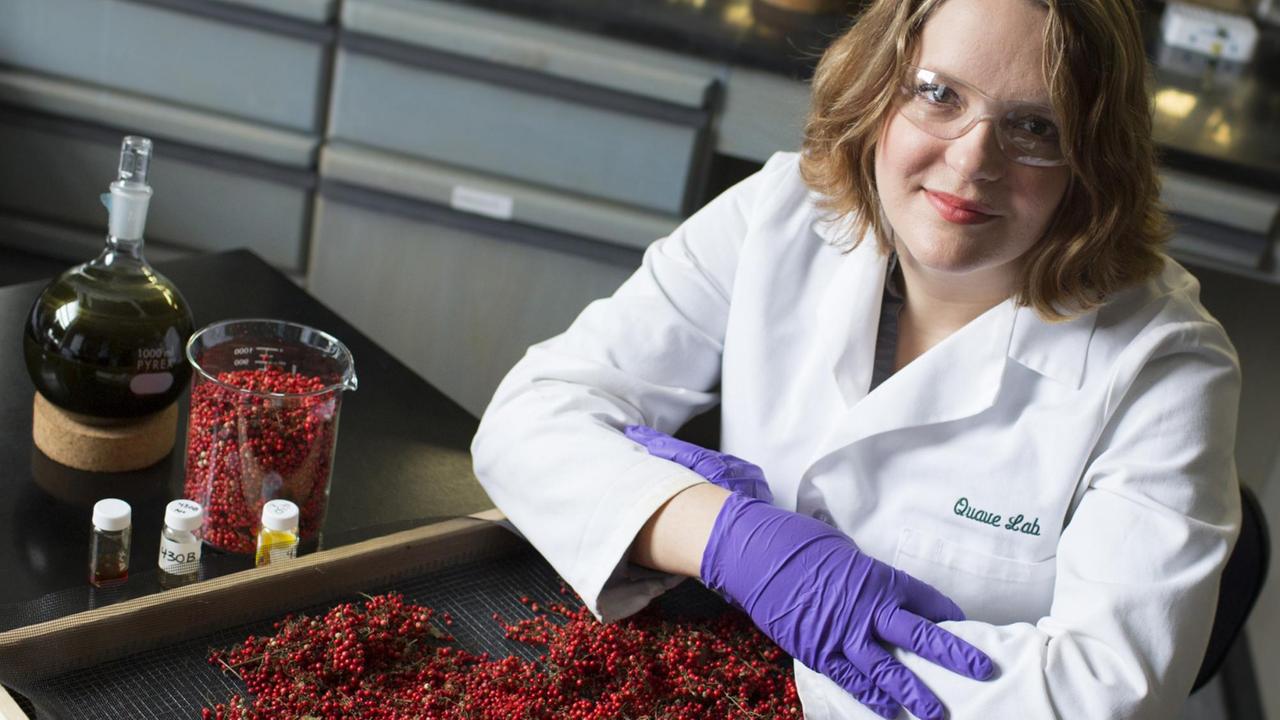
<point>263,425</point>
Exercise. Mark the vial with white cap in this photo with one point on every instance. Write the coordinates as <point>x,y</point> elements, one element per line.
<point>179,547</point>
<point>109,546</point>
<point>278,538</point>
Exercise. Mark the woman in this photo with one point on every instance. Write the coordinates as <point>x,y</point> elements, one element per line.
<point>946,331</point>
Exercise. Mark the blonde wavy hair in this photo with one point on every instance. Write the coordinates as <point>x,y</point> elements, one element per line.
<point>1109,227</point>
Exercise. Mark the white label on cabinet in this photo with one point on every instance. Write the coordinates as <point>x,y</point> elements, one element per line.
<point>481,202</point>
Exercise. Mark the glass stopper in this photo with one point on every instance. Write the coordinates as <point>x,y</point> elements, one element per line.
<point>135,156</point>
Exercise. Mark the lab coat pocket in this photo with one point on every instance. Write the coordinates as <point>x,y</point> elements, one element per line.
<point>989,588</point>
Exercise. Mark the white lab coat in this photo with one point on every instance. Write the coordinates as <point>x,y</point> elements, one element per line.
<point>1104,444</point>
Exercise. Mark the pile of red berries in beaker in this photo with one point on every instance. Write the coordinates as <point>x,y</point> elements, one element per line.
<point>263,424</point>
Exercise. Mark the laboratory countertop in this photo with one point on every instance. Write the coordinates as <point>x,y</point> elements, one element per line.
<point>1214,119</point>
<point>402,456</point>
<point>1219,119</point>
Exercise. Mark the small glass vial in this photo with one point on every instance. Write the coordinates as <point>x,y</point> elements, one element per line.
<point>109,547</point>
<point>179,547</point>
<point>278,538</point>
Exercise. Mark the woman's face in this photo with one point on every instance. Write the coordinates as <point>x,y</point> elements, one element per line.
<point>995,46</point>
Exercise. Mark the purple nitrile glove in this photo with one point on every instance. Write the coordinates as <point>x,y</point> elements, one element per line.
<point>727,471</point>
<point>826,603</point>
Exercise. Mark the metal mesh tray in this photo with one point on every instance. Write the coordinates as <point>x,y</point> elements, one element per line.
<point>176,680</point>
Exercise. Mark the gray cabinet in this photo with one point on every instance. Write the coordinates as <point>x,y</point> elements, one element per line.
<point>763,114</point>
<point>458,182</point>
<point>219,185</point>
<point>455,295</point>
<point>525,101</point>
<point>231,91</point>
<point>226,58</point>
<point>1217,223</point>
<point>485,177</point>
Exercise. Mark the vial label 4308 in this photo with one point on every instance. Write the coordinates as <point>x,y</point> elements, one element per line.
<point>179,557</point>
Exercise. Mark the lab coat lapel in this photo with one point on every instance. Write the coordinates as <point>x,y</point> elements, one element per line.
<point>958,378</point>
<point>849,313</point>
<point>1054,350</point>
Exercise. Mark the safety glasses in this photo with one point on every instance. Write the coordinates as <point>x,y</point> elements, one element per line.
<point>947,108</point>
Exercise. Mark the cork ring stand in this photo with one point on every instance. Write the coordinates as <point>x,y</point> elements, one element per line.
<point>100,445</point>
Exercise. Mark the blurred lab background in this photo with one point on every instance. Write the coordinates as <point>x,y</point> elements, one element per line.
<point>458,178</point>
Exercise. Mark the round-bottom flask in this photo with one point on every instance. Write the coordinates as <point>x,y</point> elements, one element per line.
<point>104,343</point>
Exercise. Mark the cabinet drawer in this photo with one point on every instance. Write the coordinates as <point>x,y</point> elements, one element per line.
<point>523,101</point>
<point>763,114</point>
<point>509,127</point>
<point>203,200</point>
<point>463,30</point>
<point>227,58</point>
<point>1219,221</point>
<point>71,244</point>
<point>455,297</point>
<point>493,197</point>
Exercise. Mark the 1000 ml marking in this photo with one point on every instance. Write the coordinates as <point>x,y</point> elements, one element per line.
<point>152,359</point>
<point>245,356</point>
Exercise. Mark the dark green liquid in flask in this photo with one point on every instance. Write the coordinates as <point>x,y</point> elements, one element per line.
<point>107,338</point>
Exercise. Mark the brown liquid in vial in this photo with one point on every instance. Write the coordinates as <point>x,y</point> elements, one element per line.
<point>108,574</point>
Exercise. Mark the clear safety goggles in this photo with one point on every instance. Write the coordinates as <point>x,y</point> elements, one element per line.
<point>947,108</point>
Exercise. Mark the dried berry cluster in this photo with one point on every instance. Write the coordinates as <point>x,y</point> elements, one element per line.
<point>386,658</point>
<point>244,448</point>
